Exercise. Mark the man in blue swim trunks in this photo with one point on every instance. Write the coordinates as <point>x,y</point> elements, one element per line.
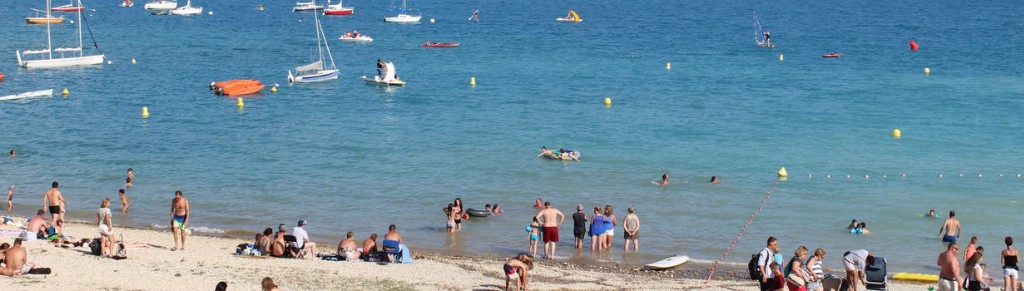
<point>179,219</point>
<point>952,228</point>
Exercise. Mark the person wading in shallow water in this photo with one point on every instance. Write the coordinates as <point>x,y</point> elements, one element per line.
<point>550,219</point>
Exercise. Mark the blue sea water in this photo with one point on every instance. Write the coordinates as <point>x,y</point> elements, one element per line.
<point>348,156</point>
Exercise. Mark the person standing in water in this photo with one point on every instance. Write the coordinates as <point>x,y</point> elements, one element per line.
<point>10,196</point>
<point>550,218</point>
<point>631,230</point>
<point>124,201</point>
<point>179,220</point>
<point>579,226</point>
<point>952,227</point>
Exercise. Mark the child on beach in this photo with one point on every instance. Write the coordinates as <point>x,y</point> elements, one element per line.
<point>124,201</point>
<point>515,269</point>
<point>779,281</point>
<point>534,235</point>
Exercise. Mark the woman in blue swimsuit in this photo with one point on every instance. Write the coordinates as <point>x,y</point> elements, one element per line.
<point>597,230</point>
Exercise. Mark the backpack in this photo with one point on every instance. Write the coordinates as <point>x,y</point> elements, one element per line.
<point>94,247</point>
<point>752,267</point>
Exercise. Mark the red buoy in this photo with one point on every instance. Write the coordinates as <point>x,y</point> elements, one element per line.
<point>913,45</point>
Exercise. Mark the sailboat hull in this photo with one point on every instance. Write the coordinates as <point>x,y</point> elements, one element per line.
<point>325,75</point>
<point>62,62</point>
<point>44,20</point>
<point>403,18</point>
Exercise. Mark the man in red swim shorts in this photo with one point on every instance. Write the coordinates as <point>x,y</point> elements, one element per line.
<point>550,218</point>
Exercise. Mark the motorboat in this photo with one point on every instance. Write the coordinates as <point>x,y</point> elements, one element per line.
<point>127,3</point>
<point>236,87</point>
<point>337,9</point>
<point>307,6</point>
<point>355,37</point>
<point>187,10</point>
<point>161,5</point>
<point>2,76</point>
<point>440,44</point>
<point>389,77</point>
<point>832,55</point>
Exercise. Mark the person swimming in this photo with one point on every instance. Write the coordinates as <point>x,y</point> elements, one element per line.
<point>714,180</point>
<point>664,179</point>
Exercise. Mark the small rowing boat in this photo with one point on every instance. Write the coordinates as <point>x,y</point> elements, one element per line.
<point>832,55</point>
<point>236,87</point>
<point>28,95</point>
<point>440,44</point>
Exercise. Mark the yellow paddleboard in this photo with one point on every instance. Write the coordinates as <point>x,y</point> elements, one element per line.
<point>918,277</point>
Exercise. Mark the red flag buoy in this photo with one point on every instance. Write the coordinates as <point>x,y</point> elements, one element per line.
<point>913,45</point>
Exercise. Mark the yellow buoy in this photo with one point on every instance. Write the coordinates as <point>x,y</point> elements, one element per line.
<point>66,92</point>
<point>240,102</point>
<point>927,71</point>
<point>781,57</point>
<point>782,172</point>
<point>472,81</point>
<point>668,66</point>
<point>273,89</point>
<point>145,112</point>
<point>133,61</point>
<point>896,133</point>
<point>608,101</point>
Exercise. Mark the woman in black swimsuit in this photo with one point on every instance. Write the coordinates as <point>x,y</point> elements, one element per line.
<point>457,207</point>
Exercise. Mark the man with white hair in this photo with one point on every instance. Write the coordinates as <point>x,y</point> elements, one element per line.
<point>631,228</point>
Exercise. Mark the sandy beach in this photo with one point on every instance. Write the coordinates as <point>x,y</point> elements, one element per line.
<point>209,260</point>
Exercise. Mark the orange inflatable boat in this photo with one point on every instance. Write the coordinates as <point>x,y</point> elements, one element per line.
<point>236,87</point>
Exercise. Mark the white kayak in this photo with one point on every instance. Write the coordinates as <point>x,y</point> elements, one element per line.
<point>668,263</point>
<point>361,38</point>
<point>28,95</point>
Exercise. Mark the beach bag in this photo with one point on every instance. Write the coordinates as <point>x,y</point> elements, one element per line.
<point>94,247</point>
<point>795,280</point>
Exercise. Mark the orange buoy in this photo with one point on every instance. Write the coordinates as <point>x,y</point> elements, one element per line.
<point>913,45</point>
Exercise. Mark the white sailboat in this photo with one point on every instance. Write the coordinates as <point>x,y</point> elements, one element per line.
<point>161,5</point>
<point>187,10</point>
<point>60,57</point>
<point>318,71</point>
<point>307,6</point>
<point>403,15</point>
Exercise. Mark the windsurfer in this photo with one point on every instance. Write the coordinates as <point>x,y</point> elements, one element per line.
<point>380,68</point>
<point>767,38</point>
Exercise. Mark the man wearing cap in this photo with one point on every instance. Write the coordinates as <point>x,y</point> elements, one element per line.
<point>302,239</point>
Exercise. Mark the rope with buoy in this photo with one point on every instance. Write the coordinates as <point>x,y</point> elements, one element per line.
<point>732,246</point>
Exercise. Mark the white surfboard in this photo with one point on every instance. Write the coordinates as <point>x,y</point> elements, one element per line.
<point>669,262</point>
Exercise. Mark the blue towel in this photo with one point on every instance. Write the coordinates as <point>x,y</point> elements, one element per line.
<point>406,256</point>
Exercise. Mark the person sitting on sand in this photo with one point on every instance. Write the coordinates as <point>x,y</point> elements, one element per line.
<point>124,201</point>
<point>302,241</point>
<point>35,225</point>
<point>515,269</point>
<point>264,241</point>
<point>497,209</point>
<point>279,248</point>
<point>348,247</point>
<point>16,260</point>
<point>545,152</point>
<point>370,249</point>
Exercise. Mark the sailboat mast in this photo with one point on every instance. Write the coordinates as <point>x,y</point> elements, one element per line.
<point>49,46</point>
<point>319,47</point>
<point>80,51</point>
<point>320,35</point>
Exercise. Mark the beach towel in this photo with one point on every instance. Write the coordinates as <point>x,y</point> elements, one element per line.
<point>406,254</point>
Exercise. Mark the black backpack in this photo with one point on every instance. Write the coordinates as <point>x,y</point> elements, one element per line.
<point>94,247</point>
<point>753,268</point>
